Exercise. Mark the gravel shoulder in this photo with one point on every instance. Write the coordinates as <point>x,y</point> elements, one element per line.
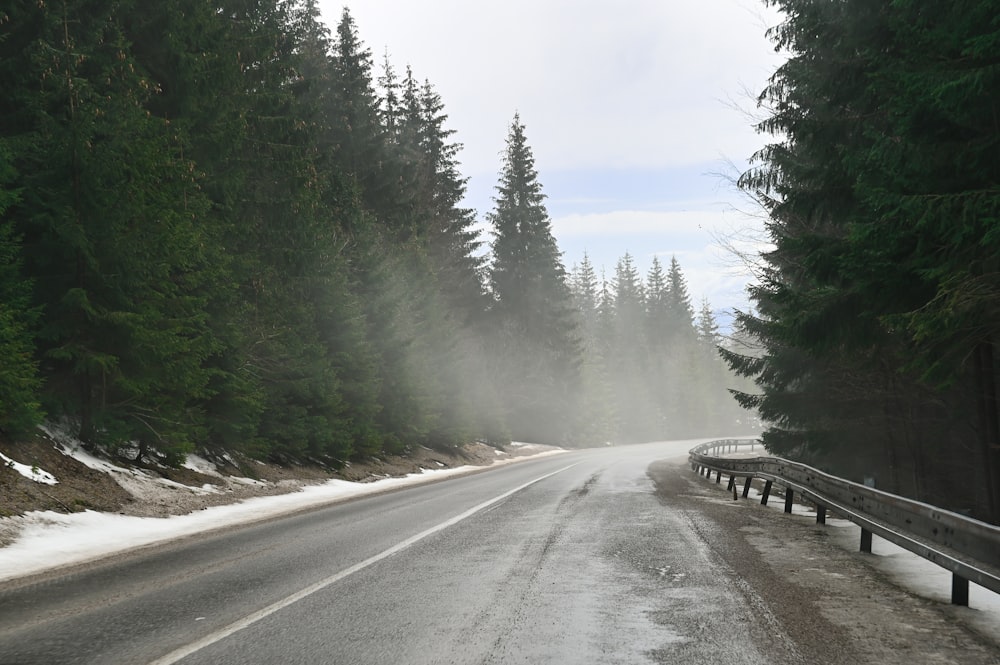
<point>834,604</point>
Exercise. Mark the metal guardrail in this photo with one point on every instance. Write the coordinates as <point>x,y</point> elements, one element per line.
<point>970,549</point>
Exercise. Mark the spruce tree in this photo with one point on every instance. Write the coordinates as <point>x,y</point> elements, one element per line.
<point>630,361</point>
<point>20,386</point>
<point>109,215</point>
<point>539,350</point>
<point>595,421</point>
<point>874,306</point>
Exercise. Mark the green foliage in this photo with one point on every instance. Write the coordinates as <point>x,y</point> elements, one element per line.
<point>878,305</point>
<point>108,215</point>
<point>539,352</point>
<point>647,373</point>
<point>219,232</point>
<point>19,381</point>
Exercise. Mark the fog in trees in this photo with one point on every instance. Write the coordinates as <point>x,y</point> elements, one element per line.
<point>232,228</point>
<point>650,370</point>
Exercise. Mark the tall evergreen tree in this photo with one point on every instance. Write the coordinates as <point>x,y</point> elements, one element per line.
<point>20,386</point>
<point>108,214</point>
<point>708,329</point>
<point>539,346</point>
<point>629,357</point>
<point>586,295</point>
<point>677,303</point>
<point>875,305</point>
<point>595,418</point>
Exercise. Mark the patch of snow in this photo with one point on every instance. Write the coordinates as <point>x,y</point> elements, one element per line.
<point>49,539</point>
<point>72,447</point>
<point>906,569</point>
<point>136,481</point>
<point>923,577</point>
<point>30,472</point>
<point>59,434</point>
<point>201,465</point>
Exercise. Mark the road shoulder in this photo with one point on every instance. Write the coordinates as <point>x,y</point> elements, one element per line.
<point>833,603</point>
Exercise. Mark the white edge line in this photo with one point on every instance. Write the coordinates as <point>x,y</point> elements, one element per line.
<point>185,651</point>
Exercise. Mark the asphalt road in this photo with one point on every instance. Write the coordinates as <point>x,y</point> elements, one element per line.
<point>572,558</point>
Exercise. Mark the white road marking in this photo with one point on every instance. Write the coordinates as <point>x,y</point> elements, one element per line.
<point>250,619</point>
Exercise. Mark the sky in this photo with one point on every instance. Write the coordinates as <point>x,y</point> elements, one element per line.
<point>638,112</point>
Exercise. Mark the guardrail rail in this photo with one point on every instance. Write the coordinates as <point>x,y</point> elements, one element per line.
<point>970,549</point>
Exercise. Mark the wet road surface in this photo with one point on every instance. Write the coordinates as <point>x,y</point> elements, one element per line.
<point>576,558</point>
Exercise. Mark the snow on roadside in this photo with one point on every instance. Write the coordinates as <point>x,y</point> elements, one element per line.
<point>137,482</point>
<point>29,472</point>
<point>923,578</point>
<point>49,539</point>
<point>201,465</point>
<point>905,569</point>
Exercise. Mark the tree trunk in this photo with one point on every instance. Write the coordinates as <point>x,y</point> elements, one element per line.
<point>989,425</point>
<point>890,444</point>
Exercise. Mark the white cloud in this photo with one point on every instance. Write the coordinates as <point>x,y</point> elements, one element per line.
<point>635,83</point>
<point>677,224</point>
<point>631,85</point>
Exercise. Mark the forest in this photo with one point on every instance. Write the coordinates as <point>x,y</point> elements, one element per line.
<point>877,307</point>
<point>226,227</point>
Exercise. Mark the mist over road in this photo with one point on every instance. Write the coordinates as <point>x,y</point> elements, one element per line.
<point>576,558</point>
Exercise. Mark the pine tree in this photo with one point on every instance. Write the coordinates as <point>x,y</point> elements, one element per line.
<point>708,329</point>
<point>595,419</point>
<point>685,410</point>
<point>539,348</point>
<point>453,241</point>
<point>629,365</point>
<point>658,313</point>
<point>108,213</point>
<point>584,286</point>
<point>20,386</point>
<point>677,303</point>
<point>882,208</point>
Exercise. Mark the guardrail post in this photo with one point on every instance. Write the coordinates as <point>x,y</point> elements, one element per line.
<point>959,590</point>
<point>902,519</point>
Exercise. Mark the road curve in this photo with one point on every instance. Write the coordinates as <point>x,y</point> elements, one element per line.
<point>568,559</point>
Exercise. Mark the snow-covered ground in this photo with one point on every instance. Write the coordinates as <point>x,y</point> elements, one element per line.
<point>30,472</point>
<point>45,540</point>
<point>906,569</point>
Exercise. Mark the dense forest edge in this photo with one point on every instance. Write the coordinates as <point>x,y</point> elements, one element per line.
<point>226,228</point>
<point>877,307</point>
